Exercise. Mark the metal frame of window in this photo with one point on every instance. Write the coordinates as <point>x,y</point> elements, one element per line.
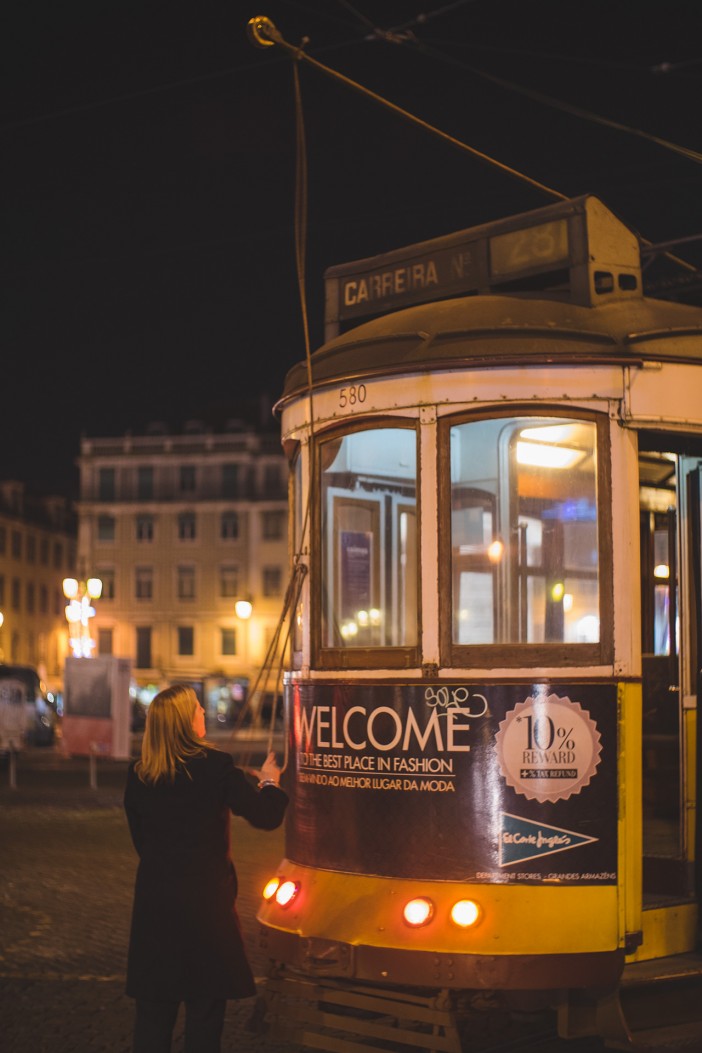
<point>516,655</point>
<point>384,657</point>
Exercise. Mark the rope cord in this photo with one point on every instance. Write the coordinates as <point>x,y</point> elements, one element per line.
<point>267,33</point>
<point>299,570</point>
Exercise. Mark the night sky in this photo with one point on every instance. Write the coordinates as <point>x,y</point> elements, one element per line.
<point>149,158</point>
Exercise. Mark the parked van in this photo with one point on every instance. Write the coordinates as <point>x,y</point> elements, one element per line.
<point>24,699</point>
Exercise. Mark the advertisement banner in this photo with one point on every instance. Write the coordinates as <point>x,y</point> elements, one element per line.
<point>487,783</point>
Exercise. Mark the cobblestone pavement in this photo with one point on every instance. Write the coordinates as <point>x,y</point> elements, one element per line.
<point>67,869</point>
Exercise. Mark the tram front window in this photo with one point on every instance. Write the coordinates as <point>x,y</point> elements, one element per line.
<point>369,539</point>
<point>524,531</point>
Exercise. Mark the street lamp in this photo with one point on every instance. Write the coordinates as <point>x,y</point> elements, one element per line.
<point>244,609</point>
<point>79,611</point>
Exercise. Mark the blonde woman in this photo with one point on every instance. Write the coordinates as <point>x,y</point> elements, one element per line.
<point>185,943</point>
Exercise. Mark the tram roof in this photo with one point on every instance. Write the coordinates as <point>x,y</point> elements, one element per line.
<point>505,330</point>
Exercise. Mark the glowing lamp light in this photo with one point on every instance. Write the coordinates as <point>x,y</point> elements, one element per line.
<point>418,912</point>
<point>541,455</point>
<point>363,618</point>
<point>2,617</point>
<point>70,588</point>
<point>495,550</point>
<point>374,615</point>
<point>465,913</point>
<point>271,888</point>
<point>244,609</point>
<point>94,588</point>
<point>567,601</point>
<point>661,570</point>
<point>286,893</point>
<point>558,591</point>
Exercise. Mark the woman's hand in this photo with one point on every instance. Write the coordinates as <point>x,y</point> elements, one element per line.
<point>269,772</point>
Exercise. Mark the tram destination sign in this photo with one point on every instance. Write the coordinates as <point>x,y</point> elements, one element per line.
<point>467,261</point>
<point>575,236</point>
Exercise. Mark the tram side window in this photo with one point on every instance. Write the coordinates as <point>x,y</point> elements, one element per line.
<point>369,558</point>
<point>524,531</point>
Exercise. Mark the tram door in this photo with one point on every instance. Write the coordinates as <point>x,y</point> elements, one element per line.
<point>669,501</point>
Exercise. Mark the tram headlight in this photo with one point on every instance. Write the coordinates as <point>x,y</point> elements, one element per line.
<point>286,893</point>
<point>270,889</point>
<point>418,912</point>
<point>465,913</point>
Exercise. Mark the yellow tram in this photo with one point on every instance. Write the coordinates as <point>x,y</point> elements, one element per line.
<point>496,650</point>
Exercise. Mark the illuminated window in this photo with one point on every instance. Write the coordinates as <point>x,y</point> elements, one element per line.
<point>524,531</point>
<point>31,548</point>
<point>369,560</point>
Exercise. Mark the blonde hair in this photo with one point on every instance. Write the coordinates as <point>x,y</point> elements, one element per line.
<point>169,739</point>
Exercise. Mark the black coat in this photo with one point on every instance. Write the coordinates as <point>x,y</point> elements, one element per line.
<point>185,939</point>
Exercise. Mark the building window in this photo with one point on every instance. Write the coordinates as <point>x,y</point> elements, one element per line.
<point>273,525</point>
<point>16,597</point>
<point>188,478</point>
<point>186,526</point>
<point>229,528</point>
<point>16,544</point>
<point>230,480</point>
<point>271,479</point>
<point>106,484</point>
<point>104,641</point>
<point>58,555</point>
<point>31,548</point>
<point>186,640</point>
<point>44,551</point>
<point>272,578</point>
<point>30,594</point>
<point>143,647</point>
<point>227,641</point>
<point>145,482</point>
<point>186,583</point>
<point>59,602</point>
<point>144,528</point>
<point>106,528</point>
<point>144,583</point>
<point>3,540</point>
<point>107,577</point>
<point>228,582</point>
<point>43,599</point>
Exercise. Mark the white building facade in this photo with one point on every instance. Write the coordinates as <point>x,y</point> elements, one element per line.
<point>179,527</point>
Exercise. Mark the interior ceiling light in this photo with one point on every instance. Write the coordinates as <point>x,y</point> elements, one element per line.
<point>542,455</point>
